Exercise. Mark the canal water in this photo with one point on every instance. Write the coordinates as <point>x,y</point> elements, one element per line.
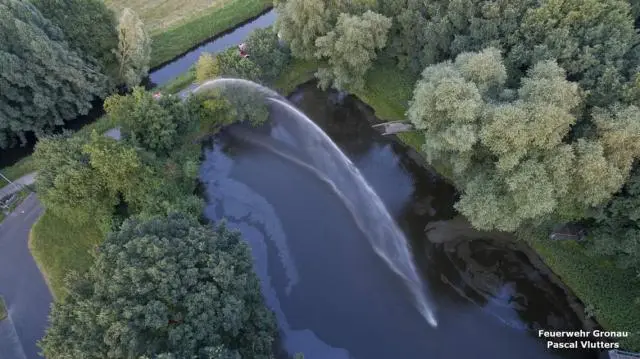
<point>334,297</point>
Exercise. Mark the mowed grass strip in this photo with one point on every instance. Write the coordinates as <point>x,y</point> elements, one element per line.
<point>60,247</point>
<point>174,41</point>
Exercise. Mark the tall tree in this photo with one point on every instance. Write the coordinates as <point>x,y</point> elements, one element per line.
<point>265,51</point>
<point>207,68</point>
<point>90,28</point>
<point>301,22</point>
<point>350,49</point>
<point>590,39</point>
<point>68,185</point>
<point>165,287</point>
<point>145,121</point>
<point>616,229</point>
<point>134,48</point>
<point>43,83</point>
<point>507,150</point>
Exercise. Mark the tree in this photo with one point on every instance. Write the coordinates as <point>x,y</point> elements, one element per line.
<point>207,68</point>
<point>265,51</point>
<point>588,38</point>
<point>166,287</point>
<point>300,23</point>
<point>616,229</point>
<point>43,83</point>
<point>68,185</point>
<point>351,48</point>
<point>144,121</point>
<point>90,28</point>
<point>506,149</point>
<point>233,65</point>
<point>134,48</point>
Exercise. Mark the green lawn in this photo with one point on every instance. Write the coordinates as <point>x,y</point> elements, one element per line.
<point>178,39</point>
<point>59,247</point>
<point>599,283</point>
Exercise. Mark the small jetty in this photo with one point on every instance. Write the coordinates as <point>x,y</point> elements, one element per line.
<point>393,127</point>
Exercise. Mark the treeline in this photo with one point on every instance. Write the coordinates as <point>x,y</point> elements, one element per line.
<point>58,56</point>
<point>162,284</point>
<point>531,107</point>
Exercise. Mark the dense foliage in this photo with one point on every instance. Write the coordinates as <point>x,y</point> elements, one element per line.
<point>507,147</point>
<point>165,287</point>
<point>350,49</point>
<point>89,27</point>
<point>43,83</point>
<point>134,49</point>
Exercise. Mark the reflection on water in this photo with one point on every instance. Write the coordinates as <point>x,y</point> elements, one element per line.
<point>333,296</point>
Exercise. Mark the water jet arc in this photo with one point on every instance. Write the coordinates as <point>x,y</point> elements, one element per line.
<point>368,210</point>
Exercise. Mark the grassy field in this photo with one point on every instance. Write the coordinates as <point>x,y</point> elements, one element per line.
<point>59,247</point>
<point>174,33</point>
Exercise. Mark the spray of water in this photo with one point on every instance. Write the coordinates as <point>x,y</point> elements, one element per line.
<point>365,205</point>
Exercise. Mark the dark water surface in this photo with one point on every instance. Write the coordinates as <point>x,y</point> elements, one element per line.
<point>334,297</point>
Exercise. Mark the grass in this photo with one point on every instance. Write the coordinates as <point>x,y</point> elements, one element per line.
<point>60,247</point>
<point>176,40</point>
<point>296,73</point>
<point>3,309</point>
<point>599,283</point>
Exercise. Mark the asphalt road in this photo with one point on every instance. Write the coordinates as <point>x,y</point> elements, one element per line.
<point>22,285</point>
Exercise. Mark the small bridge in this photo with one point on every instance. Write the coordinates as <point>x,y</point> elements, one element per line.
<point>393,127</point>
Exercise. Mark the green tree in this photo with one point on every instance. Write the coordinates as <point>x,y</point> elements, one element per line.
<point>43,83</point>
<point>616,228</point>
<point>164,286</point>
<point>89,26</point>
<point>68,185</point>
<point>233,65</point>
<point>265,51</point>
<point>144,121</point>
<point>300,23</point>
<point>207,68</point>
<point>350,49</point>
<point>507,152</point>
<point>134,49</point>
<point>590,39</point>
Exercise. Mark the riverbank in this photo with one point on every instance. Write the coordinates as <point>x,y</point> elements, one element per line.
<point>175,41</point>
<point>603,288</point>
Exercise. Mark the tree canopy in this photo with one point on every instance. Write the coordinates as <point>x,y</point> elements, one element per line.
<point>507,147</point>
<point>88,26</point>
<point>43,83</point>
<point>350,49</point>
<point>166,287</point>
<point>134,49</point>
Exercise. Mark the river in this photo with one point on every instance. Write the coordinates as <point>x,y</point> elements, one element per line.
<point>333,296</point>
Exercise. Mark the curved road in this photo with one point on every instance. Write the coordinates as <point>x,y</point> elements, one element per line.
<point>22,285</point>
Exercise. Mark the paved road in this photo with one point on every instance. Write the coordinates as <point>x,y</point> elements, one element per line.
<point>25,180</point>
<point>21,284</point>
